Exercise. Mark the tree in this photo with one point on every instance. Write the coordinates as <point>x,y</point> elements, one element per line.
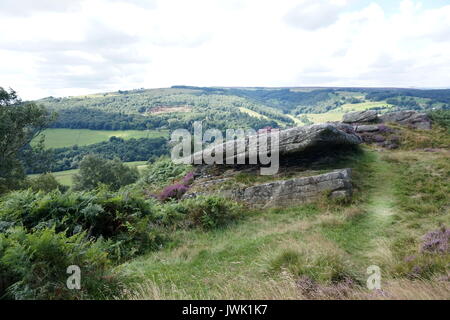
<point>45,182</point>
<point>96,171</point>
<point>37,158</point>
<point>19,124</point>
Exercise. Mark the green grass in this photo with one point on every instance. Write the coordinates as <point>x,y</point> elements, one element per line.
<point>202,264</point>
<point>59,138</point>
<point>262,256</point>
<point>357,235</point>
<point>65,177</point>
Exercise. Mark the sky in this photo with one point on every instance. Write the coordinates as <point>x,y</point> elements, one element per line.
<point>76,47</point>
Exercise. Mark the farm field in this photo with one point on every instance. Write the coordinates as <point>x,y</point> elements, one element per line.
<point>350,107</point>
<point>59,138</point>
<point>65,177</point>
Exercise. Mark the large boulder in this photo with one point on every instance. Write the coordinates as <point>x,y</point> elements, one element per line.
<point>412,118</point>
<point>298,190</point>
<point>293,140</point>
<point>360,116</point>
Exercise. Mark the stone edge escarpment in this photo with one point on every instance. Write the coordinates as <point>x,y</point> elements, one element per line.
<point>363,121</point>
<point>295,191</point>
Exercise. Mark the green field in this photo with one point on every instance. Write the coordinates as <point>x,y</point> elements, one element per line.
<point>65,177</point>
<point>59,138</point>
<point>252,113</point>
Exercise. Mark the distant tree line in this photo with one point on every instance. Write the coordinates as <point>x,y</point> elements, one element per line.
<point>279,98</point>
<point>409,103</point>
<point>88,118</point>
<point>116,148</point>
<point>219,118</point>
<point>438,95</point>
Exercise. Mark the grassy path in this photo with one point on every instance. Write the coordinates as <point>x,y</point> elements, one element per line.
<point>363,236</point>
<point>380,210</point>
<point>381,203</point>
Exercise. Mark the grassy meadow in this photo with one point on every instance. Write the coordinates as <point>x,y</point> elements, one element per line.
<point>59,138</point>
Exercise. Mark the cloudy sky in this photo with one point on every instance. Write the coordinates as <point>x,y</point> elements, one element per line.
<point>73,47</point>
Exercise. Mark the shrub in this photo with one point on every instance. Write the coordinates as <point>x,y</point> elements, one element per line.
<point>33,266</point>
<point>45,182</point>
<point>174,191</point>
<point>430,261</point>
<point>209,212</point>
<point>441,117</point>
<point>102,214</point>
<point>95,172</point>
<point>173,215</point>
<point>422,266</point>
<point>188,179</point>
<point>436,241</point>
<point>163,172</point>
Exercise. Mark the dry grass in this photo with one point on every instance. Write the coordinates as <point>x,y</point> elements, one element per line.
<point>286,288</point>
<point>408,290</point>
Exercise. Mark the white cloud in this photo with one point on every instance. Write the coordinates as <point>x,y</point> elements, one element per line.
<point>27,7</point>
<point>82,46</point>
<point>315,14</point>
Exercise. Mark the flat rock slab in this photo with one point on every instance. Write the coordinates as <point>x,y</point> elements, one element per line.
<point>298,190</point>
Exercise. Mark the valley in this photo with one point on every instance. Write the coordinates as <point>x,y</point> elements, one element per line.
<point>212,153</point>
